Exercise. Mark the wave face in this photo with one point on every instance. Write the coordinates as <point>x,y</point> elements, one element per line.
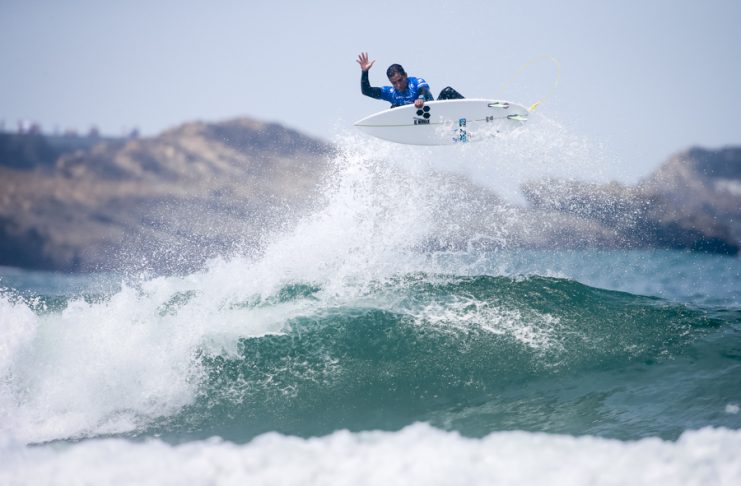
<point>182,358</point>
<point>475,355</point>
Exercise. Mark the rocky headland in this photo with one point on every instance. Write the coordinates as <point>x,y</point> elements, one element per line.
<point>692,202</point>
<point>202,189</point>
<point>166,202</point>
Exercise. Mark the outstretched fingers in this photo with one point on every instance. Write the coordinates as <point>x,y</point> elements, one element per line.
<point>363,61</point>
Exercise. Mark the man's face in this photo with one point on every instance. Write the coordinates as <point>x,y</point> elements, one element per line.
<point>399,81</point>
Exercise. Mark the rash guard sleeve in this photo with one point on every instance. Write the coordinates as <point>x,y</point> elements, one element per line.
<point>423,90</point>
<point>367,89</point>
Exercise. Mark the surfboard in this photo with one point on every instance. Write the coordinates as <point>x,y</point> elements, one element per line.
<point>445,122</point>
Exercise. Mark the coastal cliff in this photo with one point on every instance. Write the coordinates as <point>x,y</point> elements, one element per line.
<point>169,201</point>
<point>692,201</point>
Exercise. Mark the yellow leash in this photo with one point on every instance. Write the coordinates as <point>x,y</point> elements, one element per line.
<point>525,68</point>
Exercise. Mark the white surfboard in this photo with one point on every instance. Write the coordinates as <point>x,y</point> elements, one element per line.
<point>445,122</point>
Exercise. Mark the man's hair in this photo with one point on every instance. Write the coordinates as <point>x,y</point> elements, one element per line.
<point>395,69</point>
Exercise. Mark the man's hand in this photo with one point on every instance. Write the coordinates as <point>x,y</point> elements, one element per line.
<point>363,61</point>
<point>419,103</point>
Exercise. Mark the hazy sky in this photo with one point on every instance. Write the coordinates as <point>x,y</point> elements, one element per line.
<point>644,78</point>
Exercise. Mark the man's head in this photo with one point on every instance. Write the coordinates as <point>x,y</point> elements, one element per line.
<point>398,77</point>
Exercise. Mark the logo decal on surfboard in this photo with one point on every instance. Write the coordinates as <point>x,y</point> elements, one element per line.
<point>462,132</point>
<point>423,112</point>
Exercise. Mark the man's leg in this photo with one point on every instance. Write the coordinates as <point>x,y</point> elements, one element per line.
<point>449,94</point>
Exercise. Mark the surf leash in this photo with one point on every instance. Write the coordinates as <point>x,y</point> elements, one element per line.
<point>527,66</point>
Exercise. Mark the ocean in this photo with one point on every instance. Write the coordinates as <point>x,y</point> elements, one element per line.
<point>347,349</point>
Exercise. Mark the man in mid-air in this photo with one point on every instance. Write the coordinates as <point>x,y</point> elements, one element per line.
<point>404,90</point>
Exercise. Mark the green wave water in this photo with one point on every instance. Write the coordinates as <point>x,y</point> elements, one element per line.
<point>474,355</point>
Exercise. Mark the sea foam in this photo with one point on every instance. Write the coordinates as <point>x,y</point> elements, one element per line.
<point>418,454</point>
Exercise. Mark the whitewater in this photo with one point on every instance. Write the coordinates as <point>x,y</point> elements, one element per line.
<point>384,339</point>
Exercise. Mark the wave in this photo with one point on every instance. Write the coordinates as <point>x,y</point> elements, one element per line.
<point>461,352</point>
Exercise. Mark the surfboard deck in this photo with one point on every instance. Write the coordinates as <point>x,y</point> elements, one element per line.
<point>445,122</point>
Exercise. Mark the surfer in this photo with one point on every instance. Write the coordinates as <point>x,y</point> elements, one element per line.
<point>404,89</point>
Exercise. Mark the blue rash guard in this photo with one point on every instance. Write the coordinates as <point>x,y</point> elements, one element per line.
<point>417,87</point>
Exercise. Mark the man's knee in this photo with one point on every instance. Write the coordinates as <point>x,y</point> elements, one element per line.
<point>449,94</point>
